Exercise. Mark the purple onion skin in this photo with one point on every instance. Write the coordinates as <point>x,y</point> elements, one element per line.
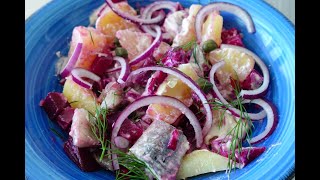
<point>54,104</point>
<point>82,157</point>
<point>275,123</point>
<point>176,56</point>
<point>65,119</point>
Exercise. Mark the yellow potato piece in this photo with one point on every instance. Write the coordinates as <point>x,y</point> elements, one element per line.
<point>78,96</point>
<point>201,162</point>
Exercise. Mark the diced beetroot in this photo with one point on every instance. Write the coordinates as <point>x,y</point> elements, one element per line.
<point>231,36</point>
<point>176,56</point>
<point>82,157</point>
<point>173,140</point>
<point>101,64</point>
<point>252,81</point>
<point>154,82</point>
<point>131,131</point>
<point>65,118</point>
<point>54,104</point>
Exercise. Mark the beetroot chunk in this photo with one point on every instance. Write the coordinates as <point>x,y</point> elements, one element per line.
<point>54,104</point>
<point>131,131</point>
<point>65,118</point>
<point>82,157</point>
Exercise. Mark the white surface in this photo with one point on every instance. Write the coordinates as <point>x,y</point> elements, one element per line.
<point>287,7</point>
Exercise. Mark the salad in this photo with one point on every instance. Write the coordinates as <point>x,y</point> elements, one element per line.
<point>161,92</point>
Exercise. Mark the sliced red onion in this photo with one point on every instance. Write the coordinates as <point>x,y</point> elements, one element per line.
<point>72,61</point>
<point>150,9</point>
<point>189,82</point>
<point>222,6</point>
<point>253,116</point>
<point>78,74</point>
<point>102,9</point>
<point>272,119</point>
<point>124,65</point>
<point>152,99</point>
<point>132,18</point>
<point>121,142</point>
<point>255,93</point>
<point>148,52</point>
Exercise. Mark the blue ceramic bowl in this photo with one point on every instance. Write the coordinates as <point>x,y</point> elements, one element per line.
<point>49,30</point>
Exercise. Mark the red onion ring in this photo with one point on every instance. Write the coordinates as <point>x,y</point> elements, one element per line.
<point>125,69</point>
<point>78,74</point>
<point>255,93</point>
<point>272,119</point>
<point>189,82</point>
<point>148,52</point>
<point>253,116</point>
<point>150,9</point>
<point>152,99</point>
<point>223,6</point>
<point>72,61</point>
<point>134,19</point>
<point>121,142</point>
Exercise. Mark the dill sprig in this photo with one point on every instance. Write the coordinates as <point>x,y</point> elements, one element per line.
<point>99,126</point>
<point>243,124</point>
<point>136,167</point>
<point>204,84</point>
<point>91,37</point>
<point>187,46</point>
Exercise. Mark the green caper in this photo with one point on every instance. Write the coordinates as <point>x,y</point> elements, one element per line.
<point>121,52</point>
<point>209,45</point>
<point>117,42</point>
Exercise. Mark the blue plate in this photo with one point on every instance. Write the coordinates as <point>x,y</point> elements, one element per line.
<point>49,30</point>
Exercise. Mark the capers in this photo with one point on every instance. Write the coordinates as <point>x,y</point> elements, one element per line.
<point>121,52</point>
<point>117,42</point>
<point>209,46</point>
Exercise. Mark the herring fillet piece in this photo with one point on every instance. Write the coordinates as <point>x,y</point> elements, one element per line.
<point>151,148</point>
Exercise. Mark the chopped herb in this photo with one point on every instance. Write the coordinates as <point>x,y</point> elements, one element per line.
<point>91,37</point>
<point>56,132</point>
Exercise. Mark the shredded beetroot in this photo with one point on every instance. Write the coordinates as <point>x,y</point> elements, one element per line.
<point>232,36</point>
<point>176,56</point>
<point>173,140</point>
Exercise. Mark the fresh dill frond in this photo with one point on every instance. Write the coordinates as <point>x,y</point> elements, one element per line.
<point>242,126</point>
<point>189,45</point>
<point>160,63</point>
<point>91,37</point>
<point>204,84</point>
<point>194,54</point>
<point>73,102</point>
<point>99,126</point>
<point>57,133</point>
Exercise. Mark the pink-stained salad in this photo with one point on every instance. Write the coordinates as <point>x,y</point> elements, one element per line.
<point>161,92</point>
